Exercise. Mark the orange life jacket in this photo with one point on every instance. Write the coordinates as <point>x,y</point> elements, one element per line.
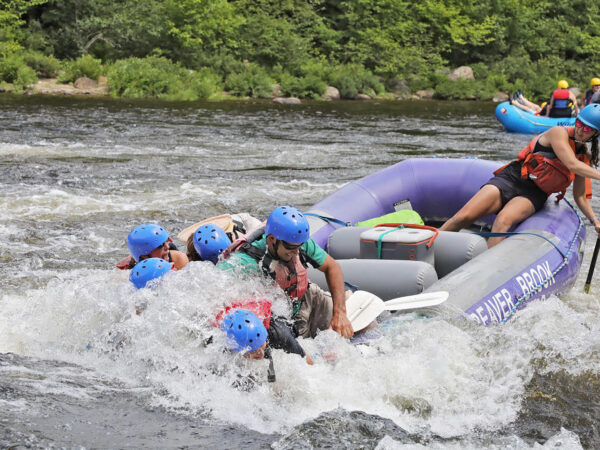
<point>547,171</point>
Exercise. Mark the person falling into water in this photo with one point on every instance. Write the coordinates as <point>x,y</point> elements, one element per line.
<point>151,241</point>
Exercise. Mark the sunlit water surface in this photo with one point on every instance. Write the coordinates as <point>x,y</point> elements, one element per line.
<point>78,367</point>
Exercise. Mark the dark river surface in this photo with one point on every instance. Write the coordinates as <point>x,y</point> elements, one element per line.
<point>78,367</point>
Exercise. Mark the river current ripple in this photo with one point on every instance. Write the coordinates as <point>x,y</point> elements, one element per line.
<point>79,369</point>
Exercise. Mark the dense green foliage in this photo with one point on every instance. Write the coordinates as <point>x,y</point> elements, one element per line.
<point>359,46</point>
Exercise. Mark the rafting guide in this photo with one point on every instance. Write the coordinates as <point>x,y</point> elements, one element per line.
<point>550,163</point>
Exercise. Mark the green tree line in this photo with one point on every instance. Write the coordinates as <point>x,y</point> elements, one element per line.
<point>190,49</point>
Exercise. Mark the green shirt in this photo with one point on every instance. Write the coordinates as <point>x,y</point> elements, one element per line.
<point>248,265</point>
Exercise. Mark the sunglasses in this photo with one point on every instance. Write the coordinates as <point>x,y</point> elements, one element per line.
<point>289,246</point>
<point>586,129</point>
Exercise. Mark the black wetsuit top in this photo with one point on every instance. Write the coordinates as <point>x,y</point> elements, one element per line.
<point>280,336</point>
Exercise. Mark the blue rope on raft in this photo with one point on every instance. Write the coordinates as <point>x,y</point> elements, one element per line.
<point>330,219</point>
<point>513,233</point>
<point>562,265</point>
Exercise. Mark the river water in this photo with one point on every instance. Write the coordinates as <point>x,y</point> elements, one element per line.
<point>78,367</point>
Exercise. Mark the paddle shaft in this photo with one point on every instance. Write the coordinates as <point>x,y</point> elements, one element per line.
<point>588,282</point>
<point>271,370</point>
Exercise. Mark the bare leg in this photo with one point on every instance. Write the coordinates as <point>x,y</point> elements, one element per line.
<point>515,211</point>
<point>529,105</point>
<point>485,202</point>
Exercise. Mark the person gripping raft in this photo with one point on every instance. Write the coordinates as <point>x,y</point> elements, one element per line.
<point>283,253</point>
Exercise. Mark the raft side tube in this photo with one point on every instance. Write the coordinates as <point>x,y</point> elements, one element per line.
<point>385,278</point>
<point>480,278</point>
<point>451,250</point>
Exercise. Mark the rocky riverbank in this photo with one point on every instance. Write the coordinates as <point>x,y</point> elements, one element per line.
<point>99,88</point>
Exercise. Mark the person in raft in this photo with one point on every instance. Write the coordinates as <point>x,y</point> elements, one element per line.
<point>562,103</point>
<point>592,94</point>
<point>518,100</point>
<point>151,241</point>
<point>229,229</point>
<point>283,253</point>
<point>548,165</point>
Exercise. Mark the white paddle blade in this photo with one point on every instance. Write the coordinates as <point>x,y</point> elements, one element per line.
<point>425,300</point>
<point>362,308</point>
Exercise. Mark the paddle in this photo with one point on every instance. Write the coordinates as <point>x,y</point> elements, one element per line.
<point>588,282</point>
<point>362,307</point>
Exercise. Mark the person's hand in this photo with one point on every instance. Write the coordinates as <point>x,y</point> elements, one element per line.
<point>340,324</point>
<point>597,226</point>
<point>124,264</point>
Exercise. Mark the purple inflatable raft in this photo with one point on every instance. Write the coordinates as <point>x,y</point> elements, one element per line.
<point>542,259</point>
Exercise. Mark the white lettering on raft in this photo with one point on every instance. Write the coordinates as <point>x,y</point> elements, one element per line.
<point>496,307</point>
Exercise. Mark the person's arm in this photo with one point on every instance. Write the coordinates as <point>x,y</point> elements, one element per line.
<point>550,105</point>
<point>558,138</point>
<point>584,203</point>
<point>125,264</point>
<point>180,259</point>
<point>335,282</point>
<point>281,337</point>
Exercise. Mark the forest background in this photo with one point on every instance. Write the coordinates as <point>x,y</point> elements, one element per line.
<point>196,49</point>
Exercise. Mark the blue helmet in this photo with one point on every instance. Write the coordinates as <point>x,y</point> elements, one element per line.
<point>245,331</point>
<point>148,270</point>
<point>210,241</point>
<point>145,238</point>
<point>288,224</point>
<point>590,115</point>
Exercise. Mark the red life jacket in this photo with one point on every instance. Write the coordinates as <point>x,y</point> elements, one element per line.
<point>547,171</point>
<point>560,94</point>
<point>260,307</point>
<point>291,276</point>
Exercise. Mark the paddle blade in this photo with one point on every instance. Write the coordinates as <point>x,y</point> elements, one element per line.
<point>425,300</point>
<point>362,308</point>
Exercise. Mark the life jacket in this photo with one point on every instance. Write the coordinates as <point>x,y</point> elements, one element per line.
<point>547,171</point>
<point>588,97</point>
<point>291,276</point>
<point>563,105</point>
<point>260,307</point>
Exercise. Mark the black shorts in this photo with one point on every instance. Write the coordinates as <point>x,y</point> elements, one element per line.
<point>511,185</point>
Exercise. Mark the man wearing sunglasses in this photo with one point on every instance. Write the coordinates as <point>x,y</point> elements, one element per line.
<point>283,253</point>
<point>549,164</point>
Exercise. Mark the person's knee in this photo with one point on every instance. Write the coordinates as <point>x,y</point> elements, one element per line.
<point>503,222</point>
<point>463,218</point>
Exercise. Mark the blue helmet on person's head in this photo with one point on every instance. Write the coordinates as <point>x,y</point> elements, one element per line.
<point>145,238</point>
<point>148,270</point>
<point>288,224</point>
<point>245,331</point>
<point>210,241</point>
<point>590,115</point>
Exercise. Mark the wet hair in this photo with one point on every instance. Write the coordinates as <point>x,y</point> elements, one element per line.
<point>594,158</point>
<point>192,254</point>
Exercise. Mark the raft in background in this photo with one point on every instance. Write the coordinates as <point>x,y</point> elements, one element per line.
<point>517,120</point>
<point>487,285</point>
